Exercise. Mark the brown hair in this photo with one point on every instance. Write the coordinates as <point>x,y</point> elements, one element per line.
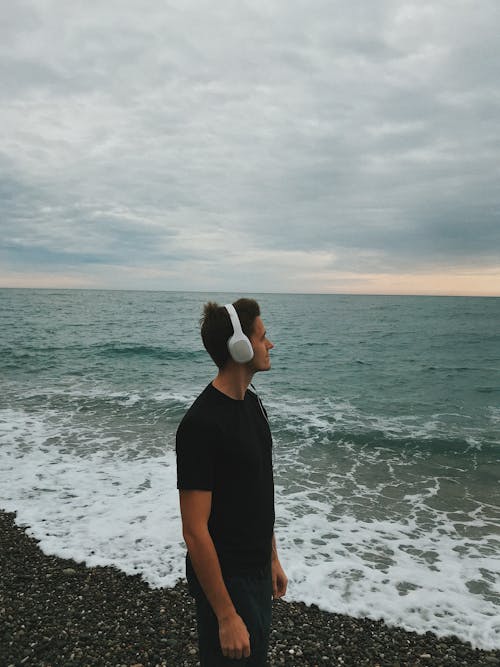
<point>216,327</point>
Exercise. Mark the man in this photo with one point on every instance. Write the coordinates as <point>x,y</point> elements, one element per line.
<point>225,482</point>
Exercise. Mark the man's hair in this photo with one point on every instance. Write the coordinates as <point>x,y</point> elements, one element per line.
<point>216,327</point>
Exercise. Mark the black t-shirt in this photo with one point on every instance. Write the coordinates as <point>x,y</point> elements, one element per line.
<point>224,445</point>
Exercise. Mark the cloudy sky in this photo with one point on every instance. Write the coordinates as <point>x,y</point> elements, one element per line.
<point>277,145</point>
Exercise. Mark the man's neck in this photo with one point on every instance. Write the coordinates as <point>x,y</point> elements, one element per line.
<point>233,380</point>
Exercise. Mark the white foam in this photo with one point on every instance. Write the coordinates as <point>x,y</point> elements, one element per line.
<point>425,572</point>
<point>494,412</point>
<point>77,391</point>
<point>103,508</point>
<point>374,569</point>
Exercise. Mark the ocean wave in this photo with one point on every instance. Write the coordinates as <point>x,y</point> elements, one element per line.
<point>323,422</point>
<point>38,357</point>
<point>380,440</point>
<point>154,351</point>
<point>125,412</point>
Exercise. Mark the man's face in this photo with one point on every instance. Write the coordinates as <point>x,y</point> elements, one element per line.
<point>261,346</point>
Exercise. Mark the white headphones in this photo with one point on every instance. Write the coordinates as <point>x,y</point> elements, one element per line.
<point>239,346</point>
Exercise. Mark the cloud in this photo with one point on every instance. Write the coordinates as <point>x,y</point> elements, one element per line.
<point>191,141</point>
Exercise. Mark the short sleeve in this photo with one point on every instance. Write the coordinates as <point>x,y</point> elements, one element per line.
<point>194,447</point>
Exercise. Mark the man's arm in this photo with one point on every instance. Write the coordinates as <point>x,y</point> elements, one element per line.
<point>280,579</point>
<point>195,511</point>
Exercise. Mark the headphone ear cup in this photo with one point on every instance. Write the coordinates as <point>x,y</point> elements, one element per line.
<point>240,349</point>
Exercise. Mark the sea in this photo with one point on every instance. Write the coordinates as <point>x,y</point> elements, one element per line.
<point>385,414</point>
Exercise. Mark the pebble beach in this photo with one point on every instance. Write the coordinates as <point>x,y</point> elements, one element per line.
<point>56,612</point>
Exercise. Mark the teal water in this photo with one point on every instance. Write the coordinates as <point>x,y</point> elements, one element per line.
<point>385,413</point>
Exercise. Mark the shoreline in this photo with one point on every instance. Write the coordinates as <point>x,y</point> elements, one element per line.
<point>56,612</point>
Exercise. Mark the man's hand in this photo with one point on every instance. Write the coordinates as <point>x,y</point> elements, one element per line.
<point>234,637</point>
<point>280,579</point>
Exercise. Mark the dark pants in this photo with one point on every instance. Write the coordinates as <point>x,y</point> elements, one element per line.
<point>252,598</point>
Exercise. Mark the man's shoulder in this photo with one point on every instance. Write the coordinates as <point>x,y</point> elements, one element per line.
<point>203,410</point>
<point>204,401</point>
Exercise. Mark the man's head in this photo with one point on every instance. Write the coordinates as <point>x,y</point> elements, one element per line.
<point>216,329</point>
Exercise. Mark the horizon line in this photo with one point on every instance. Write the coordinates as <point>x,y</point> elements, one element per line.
<point>186,291</point>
